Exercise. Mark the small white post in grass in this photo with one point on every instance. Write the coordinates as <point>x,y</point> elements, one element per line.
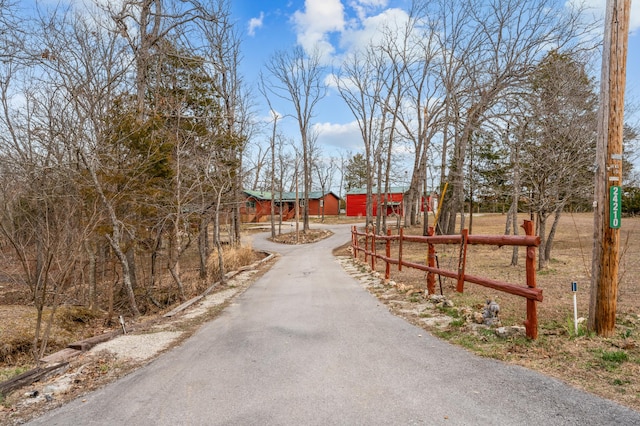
<point>124,330</point>
<point>574,289</point>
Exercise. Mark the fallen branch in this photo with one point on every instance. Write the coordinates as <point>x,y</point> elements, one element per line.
<point>29,377</point>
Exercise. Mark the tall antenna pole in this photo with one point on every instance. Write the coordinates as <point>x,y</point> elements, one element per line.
<point>608,179</point>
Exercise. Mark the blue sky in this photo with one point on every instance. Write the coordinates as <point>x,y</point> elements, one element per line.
<point>336,26</point>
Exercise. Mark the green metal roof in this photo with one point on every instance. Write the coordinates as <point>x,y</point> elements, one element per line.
<point>286,196</point>
<point>392,190</point>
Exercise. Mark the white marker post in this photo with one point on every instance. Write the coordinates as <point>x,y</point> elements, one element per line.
<point>574,289</point>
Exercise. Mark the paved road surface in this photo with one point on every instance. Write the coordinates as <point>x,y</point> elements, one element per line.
<point>306,345</point>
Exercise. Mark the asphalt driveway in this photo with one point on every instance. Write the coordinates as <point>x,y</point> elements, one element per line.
<point>307,345</point>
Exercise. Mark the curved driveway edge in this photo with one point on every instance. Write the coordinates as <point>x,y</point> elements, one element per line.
<point>307,345</point>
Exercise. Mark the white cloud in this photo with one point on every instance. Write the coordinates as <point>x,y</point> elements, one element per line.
<point>634,19</point>
<point>345,137</point>
<point>316,22</point>
<point>325,25</point>
<point>275,114</point>
<point>374,3</point>
<point>366,7</point>
<point>369,30</point>
<point>255,23</point>
<point>598,8</point>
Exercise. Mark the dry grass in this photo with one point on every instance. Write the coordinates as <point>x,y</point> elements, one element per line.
<point>17,325</point>
<point>609,367</point>
<point>233,258</point>
<point>72,323</point>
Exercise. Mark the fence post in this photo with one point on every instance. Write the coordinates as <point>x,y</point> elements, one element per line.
<point>400,249</point>
<point>366,244</point>
<point>531,324</point>
<point>431,262</point>
<point>373,249</point>
<point>354,241</point>
<point>387,269</point>
<point>462,260</point>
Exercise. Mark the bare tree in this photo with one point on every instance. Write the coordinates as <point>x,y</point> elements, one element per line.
<point>325,170</point>
<point>421,115</point>
<point>144,24</point>
<point>488,51</point>
<point>297,78</point>
<point>222,50</point>
<point>134,179</point>
<point>13,32</point>
<point>273,172</point>
<point>43,220</point>
<point>287,165</point>
<point>362,84</point>
<point>93,87</point>
<point>561,143</point>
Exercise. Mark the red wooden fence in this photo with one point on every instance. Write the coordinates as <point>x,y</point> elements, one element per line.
<point>530,292</point>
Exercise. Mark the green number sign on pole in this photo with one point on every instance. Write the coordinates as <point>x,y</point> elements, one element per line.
<point>615,207</point>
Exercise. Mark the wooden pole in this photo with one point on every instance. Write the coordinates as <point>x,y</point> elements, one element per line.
<point>431,262</point>
<point>531,323</point>
<point>606,242</point>
<point>400,249</point>
<point>462,261</point>
<point>387,268</point>
<point>373,249</point>
<point>354,242</point>
<point>366,243</point>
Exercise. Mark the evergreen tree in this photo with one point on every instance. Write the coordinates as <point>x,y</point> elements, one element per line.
<point>355,173</point>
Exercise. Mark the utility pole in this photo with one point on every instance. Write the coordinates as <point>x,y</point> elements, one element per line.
<point>608,178</point>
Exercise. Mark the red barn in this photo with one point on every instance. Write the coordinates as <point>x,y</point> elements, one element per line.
<point>357,201</point>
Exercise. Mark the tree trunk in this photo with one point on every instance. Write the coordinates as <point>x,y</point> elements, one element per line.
<point>380,203</point>
<point>273,175</point>
<point>513,210</point>
<point>552,233</point>
<point>542,225</point>
<point>203,245</point>
<point>369,197</point>
<point>131,259</point>
<point>126,273</point>
<point>174,268</point>
<point>236,226</point>
<point>89,247</point>
<point>115,237</point>
<point>216,237</point>
<point>305,187</point>
<point>471,191</point>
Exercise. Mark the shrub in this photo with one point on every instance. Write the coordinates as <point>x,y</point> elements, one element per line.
<point>233,257</point>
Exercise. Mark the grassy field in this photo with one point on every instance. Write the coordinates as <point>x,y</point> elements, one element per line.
<point>609,367</point>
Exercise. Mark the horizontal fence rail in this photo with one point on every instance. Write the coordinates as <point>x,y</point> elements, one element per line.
<point>531,293</point>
